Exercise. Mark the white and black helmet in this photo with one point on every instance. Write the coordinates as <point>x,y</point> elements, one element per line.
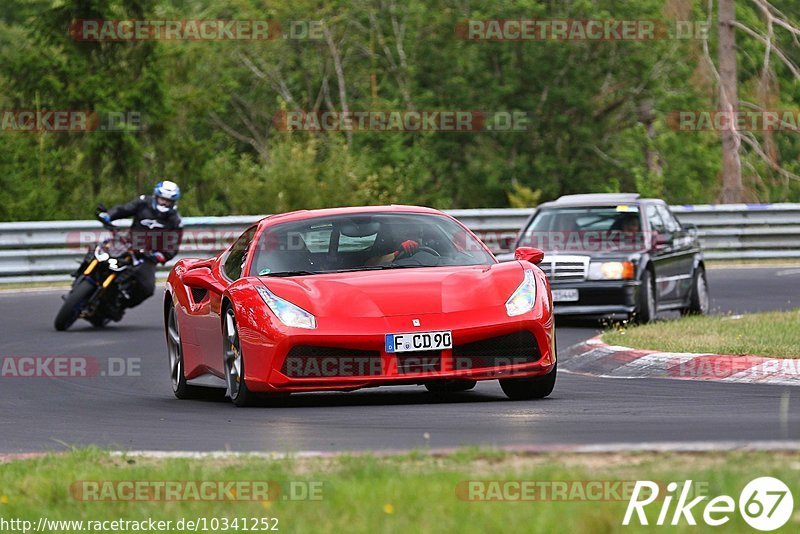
<point>165,196</point>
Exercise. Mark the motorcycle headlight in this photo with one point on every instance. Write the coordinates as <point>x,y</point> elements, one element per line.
<point>288,313</point>
<point>610,270</point>
<point>100,254</point>
<point>524,297</point>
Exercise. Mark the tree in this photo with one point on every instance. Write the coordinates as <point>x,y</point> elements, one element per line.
<point>732,189</point>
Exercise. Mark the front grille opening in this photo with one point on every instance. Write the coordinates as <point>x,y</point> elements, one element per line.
<point>314,361</point>
<point>564,270</point>
<point>419,361</point>
<point>510,349</point>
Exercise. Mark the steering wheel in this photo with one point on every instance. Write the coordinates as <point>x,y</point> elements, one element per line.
<point>421,248</point>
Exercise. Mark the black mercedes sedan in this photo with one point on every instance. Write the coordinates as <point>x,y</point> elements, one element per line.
<point>617,254</point>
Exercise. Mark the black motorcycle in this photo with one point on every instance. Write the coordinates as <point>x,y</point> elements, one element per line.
<point>102,281</point>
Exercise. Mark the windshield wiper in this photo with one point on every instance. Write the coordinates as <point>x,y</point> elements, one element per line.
<point>379,268</point>
<point>279,274</point>
<point>292,273</point>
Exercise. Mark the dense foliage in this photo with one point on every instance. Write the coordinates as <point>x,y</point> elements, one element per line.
<point>598,109</point>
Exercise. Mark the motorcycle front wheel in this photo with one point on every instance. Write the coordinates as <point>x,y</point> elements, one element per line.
<point>73,304</point>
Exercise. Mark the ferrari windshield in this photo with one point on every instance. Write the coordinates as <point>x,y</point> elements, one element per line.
<point>595,228</point>
<point>365,241</point>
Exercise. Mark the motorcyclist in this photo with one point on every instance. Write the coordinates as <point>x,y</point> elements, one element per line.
<point>156,232</point>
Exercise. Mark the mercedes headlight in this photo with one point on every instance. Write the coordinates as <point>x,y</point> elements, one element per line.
<point>288,313</point>
<point>524,297</point>
<point>610,270</point>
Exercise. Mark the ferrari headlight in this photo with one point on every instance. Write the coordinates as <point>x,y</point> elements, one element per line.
<point>288,313</point>
<point>524,297</point>
<point>610,270</point>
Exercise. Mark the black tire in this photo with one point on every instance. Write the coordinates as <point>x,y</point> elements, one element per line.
<point>699,300</point>
<point>535,387</point>
<point>177,373</point>
<point>73,304</point>
<point>450,386</point>
<point>233,363</point>
<point>647,308</point>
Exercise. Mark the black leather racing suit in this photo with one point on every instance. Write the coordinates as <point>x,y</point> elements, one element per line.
<point>152,231</point>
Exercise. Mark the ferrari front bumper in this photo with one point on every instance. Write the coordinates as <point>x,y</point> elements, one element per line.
<point>314,361</point>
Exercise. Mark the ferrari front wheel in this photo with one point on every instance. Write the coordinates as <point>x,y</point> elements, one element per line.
<point>233,363</point>
<point>535,387</point>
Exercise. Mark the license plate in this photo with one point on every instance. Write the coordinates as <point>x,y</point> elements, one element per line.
<point>417,341</point>
<point>565,295</point>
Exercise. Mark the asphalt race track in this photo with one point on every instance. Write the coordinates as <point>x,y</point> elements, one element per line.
<point>140,412</point>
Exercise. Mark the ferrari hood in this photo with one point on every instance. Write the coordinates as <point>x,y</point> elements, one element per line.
<point>387,293</point>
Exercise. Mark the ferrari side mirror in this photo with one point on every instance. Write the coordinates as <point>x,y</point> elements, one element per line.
<point>202,278</point>
<point>533,255</point>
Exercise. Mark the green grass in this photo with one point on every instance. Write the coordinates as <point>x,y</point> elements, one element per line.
<point>409,493</point>
<point>759,334</point>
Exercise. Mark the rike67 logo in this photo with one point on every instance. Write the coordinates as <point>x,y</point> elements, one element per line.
<point>765,504</point>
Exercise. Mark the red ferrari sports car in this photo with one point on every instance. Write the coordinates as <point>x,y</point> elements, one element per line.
<point>346,298</point>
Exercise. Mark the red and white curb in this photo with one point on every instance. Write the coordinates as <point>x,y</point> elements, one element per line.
<point>593,357</point>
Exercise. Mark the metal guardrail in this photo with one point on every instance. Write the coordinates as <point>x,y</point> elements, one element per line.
<point>49,251</point>
<point>745,231</point>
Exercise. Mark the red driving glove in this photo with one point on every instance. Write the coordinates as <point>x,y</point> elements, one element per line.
<point>409,246</point>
